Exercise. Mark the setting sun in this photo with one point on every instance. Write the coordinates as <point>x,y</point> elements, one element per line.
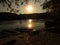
<point>29,8</point>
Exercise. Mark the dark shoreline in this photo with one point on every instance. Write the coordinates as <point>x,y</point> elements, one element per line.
<point>12,16</point>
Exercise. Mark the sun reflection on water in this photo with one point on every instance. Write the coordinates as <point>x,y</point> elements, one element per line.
<point>30,20</point>
<point>30,23</point>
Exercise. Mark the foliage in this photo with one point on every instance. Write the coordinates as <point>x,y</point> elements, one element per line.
<point>17,3</point>
<point>52,4</point>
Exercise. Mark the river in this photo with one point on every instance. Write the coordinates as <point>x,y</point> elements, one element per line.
<point>28,23</point>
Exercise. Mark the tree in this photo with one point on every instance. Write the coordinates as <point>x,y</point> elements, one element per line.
<point>17,3</point>
<point>53,5</point>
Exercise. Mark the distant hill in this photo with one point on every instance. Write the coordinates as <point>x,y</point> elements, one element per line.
<point>12,16</point>
<point>7,16</point>
<point>37,16</point>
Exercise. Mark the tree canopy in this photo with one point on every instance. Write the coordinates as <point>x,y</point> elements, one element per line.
<point>53,5</point>
<point>16,2</point>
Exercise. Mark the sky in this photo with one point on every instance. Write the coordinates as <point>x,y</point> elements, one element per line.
<point>36,7</point>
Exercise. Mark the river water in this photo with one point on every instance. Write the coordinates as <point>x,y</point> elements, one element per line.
<point>28,23</point>
<point>41,38</point>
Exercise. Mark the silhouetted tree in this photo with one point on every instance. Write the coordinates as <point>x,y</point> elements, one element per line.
<point>52,6</point>
<point>17,3</point>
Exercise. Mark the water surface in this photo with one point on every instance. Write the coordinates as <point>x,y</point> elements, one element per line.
<point>13,24</point>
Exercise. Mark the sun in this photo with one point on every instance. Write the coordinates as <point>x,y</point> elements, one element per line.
<point>29,8</point>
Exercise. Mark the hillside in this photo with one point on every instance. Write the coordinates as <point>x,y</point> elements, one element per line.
<point>12,16</point>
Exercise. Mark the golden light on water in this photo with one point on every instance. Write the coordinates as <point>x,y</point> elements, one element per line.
<point>34,30</point>
<point>30,20</point>
<point>29,25</point>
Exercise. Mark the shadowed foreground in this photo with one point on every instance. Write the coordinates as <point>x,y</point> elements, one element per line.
<point>33,38</point>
